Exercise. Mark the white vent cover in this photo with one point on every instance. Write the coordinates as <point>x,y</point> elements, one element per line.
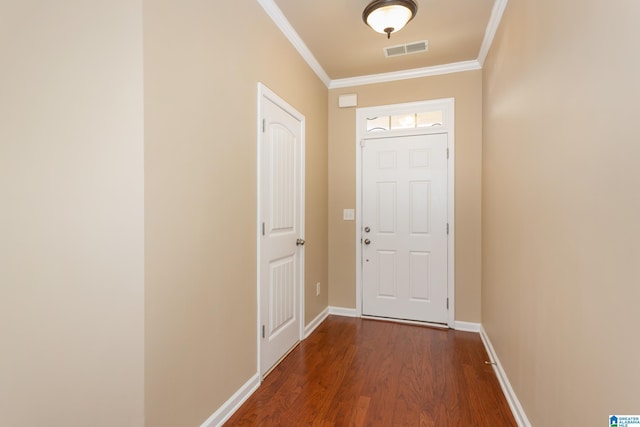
<point>406,49</point>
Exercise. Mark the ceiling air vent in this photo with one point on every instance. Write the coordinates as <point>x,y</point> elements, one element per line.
<point>406,49</point>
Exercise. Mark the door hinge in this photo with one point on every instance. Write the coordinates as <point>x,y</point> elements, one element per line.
<point>447,228</point>
<point>263,228</point>
<point>264,125</point>
<point>263,327</point>
<point>447,153</point>
<point>447,303</point>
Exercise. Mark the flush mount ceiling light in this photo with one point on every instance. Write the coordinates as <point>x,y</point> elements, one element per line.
<point>389,16</point>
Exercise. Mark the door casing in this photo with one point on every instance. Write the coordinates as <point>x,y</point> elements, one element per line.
<point>447,105</point>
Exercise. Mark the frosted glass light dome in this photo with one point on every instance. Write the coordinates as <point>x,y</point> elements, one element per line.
<point>389,16</point>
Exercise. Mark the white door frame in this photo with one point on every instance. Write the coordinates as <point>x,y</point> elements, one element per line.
<point>265,92</point>
<point>447,105</point>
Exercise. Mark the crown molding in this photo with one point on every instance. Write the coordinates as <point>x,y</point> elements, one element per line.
<point>281,22</point>
<point>294,38</point>
<point>436,70</point>
<point>494,22</point>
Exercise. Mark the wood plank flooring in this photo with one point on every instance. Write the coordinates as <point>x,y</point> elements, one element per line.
<point>358,372</point>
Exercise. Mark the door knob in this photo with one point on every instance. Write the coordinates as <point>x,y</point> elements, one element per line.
<point>367,229</point>
<point>367,241</point>
<point>300,242</point>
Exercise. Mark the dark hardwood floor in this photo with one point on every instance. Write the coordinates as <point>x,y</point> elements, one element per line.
<point>357,372</point>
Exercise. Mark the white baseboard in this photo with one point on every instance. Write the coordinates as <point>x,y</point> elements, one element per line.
<point>239,397</point>
<point>308,330</point>
<point>509,393</point>
<point>340,311</point>
<point>231,406</point>
<point>466,326</point>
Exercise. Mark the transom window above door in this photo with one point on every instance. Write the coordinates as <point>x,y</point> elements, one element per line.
<point>428,119</point>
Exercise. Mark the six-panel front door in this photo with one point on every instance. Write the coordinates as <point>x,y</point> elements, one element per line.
<point>280,216</point>
<point>404,220</point>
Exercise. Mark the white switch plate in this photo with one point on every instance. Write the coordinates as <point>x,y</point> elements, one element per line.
<point>348,214</point>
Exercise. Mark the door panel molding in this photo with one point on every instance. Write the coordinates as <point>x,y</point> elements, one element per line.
<point>405,263</point>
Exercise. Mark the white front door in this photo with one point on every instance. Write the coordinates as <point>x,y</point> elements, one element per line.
<point>404,228</point>
<point>280,259</point>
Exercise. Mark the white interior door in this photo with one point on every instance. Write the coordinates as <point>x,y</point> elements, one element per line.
<point>280,256</point>
<point>404,222</point>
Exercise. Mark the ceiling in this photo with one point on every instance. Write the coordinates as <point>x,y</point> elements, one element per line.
<point>345,47</point>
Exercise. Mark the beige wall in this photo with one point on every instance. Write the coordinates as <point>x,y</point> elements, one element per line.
<point>202,63</point>
<point>71,215</point>
<point>561,229</point>
<point>467,91</point>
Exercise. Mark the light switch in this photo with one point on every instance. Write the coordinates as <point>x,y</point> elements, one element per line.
<point>348,214</point>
